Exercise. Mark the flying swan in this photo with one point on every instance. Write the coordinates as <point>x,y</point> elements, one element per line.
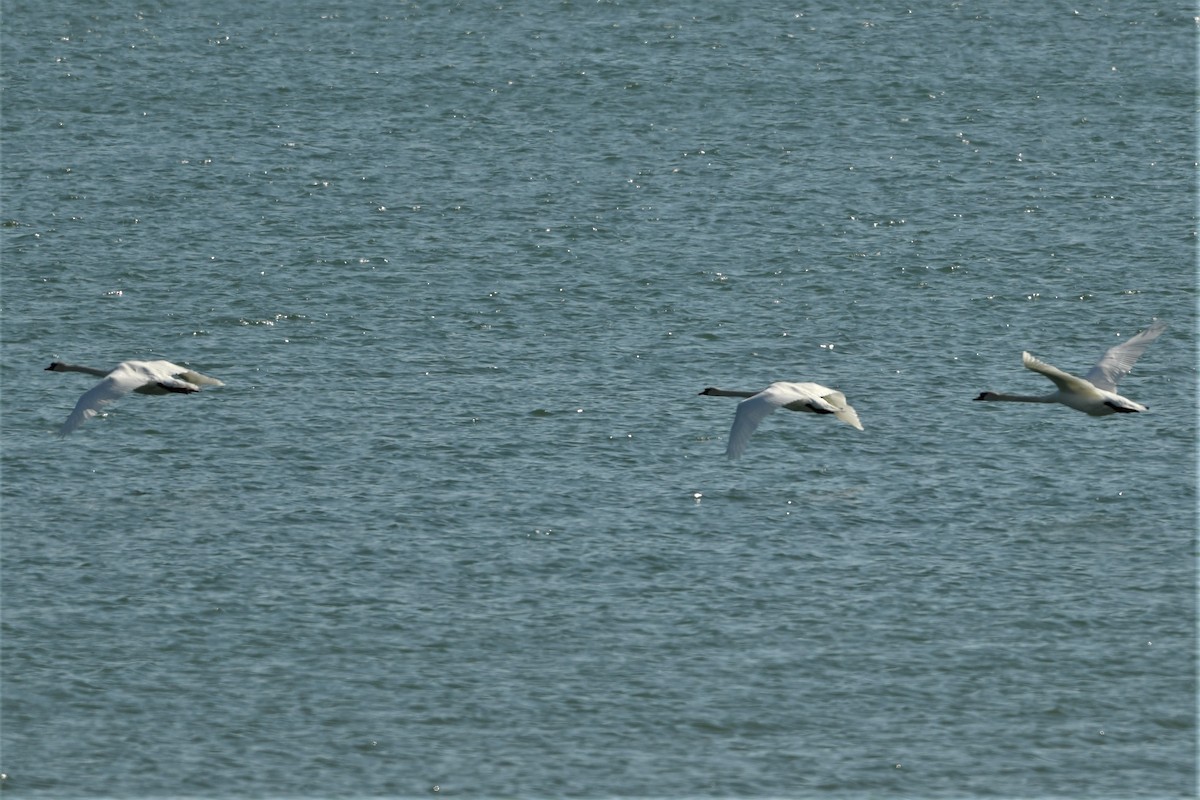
<point>1094,393</point>
<point>812,397</point>
<point>143,377</point>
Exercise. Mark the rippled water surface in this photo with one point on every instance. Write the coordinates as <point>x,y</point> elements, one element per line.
<point>459,524</point>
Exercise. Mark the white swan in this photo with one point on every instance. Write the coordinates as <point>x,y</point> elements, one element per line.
<point>1095,393</point>
<point>143,377</point>
<point>812,397</point>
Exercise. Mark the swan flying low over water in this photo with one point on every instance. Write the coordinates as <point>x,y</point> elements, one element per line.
<point>1094,393</point>
<point>811,397</point>
<point>143,377</point>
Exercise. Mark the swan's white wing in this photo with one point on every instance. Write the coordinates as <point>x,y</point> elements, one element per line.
<point>821,399</point>
<point>162,371</point>
<point>145,377</point>
<point>795,396</point>
<point>843,410</point>
<point>1065,381</point>
<point>1117,361</point>
<point>109,390</point>
<point>750,412</point>
<point>160,377</point>
<point>197,379</point>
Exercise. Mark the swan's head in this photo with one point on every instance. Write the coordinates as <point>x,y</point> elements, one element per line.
<point>711,390</point>
<point>56,367</point>
<point>986,396</point>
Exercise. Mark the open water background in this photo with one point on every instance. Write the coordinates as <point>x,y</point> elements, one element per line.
<point>459,524</point>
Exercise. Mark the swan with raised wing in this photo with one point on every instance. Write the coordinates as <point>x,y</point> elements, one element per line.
<point>1095,393</point>
<point>143,377</point>
<point>810,397</point>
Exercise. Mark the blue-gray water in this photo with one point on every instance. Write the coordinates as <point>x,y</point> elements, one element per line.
<point>459,524</point>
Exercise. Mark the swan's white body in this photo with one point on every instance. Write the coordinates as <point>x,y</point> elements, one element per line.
<point>143,377</point>
<point>811,397</point>
<point>1095,393</point>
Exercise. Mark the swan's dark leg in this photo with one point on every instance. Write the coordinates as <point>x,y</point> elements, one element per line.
<point>807,405</point>
<point>177,389</point>
<point>1121,409</point>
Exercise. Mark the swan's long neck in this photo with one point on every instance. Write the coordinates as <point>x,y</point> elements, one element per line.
<point>1019,398</point>
<point>80,368</point>
<point>715,392</point>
